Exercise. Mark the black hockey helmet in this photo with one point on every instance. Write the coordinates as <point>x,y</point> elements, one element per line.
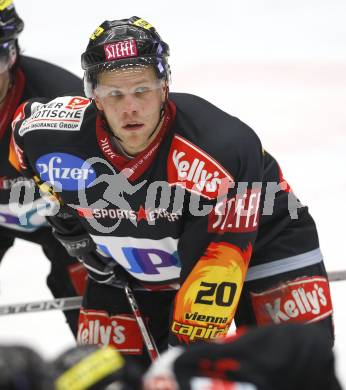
<point>124,43</point>
<point>23,368</point>
<point>11,25</point>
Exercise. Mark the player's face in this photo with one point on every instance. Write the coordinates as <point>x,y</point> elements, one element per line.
<point>4,83</point>
<point>8,56</point>
<point>131,101</point>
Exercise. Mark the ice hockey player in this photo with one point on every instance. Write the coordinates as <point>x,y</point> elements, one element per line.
<point>176,192</point>
<point>23,368</point>
<point>285,357</point>
<point>273,357</point>
<point>22,78</point>
<point>89,367</point>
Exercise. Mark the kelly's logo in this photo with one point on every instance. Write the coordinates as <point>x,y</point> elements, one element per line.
<point>302,300</point>
<point>193,169</point>
<point>120,331</point>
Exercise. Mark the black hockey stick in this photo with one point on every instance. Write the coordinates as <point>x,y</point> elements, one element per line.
<point>146,335</point>
<point>73,303</point>
<point>70,303</point>
<point>336,276</point>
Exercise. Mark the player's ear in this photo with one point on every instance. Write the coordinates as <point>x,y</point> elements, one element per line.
<point>164,91</point>
<point>98,103</point>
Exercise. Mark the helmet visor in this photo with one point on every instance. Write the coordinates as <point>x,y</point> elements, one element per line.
<point>142,89</point>
<point>8,55</point>
<point>91,82</point>
<point>131,85</point>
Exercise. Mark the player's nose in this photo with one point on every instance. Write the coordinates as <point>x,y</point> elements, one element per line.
<point>130,104</point>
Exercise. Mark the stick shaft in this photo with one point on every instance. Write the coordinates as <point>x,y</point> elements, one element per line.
<point>73,303</point>
<point>146,335</point>
<point>336,276</point>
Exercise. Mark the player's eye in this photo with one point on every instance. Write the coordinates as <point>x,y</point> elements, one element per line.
<point>115,93</point>
<point>141,90</point>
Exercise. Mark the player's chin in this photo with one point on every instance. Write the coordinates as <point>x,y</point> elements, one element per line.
<point>136,143</point>
<point>139,136</point>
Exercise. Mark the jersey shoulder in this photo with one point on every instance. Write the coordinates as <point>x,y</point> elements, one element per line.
<point>44,79</point>
<point>224,137</point>
<point>43,127</point>
<point>60,120</point>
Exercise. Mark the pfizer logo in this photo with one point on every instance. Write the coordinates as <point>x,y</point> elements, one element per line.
<point>65,171</point>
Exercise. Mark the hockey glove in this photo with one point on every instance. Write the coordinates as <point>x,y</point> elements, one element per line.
<point>100,267</point>
<point>76,245</point>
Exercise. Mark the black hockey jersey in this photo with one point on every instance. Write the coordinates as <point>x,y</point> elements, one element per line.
<point>31,78</point>
<point>203,209</point>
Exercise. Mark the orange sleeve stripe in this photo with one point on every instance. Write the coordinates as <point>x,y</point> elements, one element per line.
<point>13,159</point>
<point>15,153</point>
